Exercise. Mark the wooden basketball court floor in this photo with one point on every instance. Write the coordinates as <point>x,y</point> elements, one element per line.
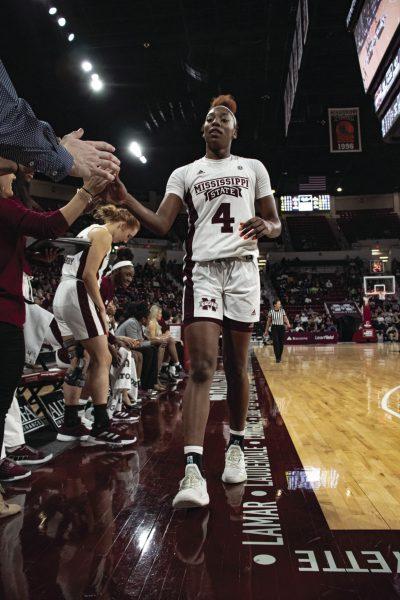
<point>318,517</point>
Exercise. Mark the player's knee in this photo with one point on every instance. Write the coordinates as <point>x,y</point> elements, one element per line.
<point>102,359</point>
<point>202,370</point>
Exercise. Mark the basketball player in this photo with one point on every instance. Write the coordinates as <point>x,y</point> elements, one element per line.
<point>220,192</point>
<point>81,316</point>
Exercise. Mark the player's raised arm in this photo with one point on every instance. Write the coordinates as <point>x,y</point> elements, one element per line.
<point>159,222</point>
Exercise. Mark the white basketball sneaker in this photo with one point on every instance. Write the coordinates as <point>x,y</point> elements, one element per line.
<point>192,490</point>
<point>235,467</point>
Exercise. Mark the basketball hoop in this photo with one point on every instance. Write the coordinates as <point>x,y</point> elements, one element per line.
<point>379,286</point>
<point>381,294</point>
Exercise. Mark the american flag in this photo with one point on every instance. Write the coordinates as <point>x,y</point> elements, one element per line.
<point>313,183</point>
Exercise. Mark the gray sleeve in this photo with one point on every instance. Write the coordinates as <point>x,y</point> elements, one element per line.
<point>132,329</point>
<point>120,329</point>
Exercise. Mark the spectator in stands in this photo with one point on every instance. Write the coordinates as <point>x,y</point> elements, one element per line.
<point>328,284</point>
<point>32,143</point>
<point>378,321</point>
<point>136,318</point>
<point>296,320</point>
<point>329,325</point>
<point>392,334</point>
<point>304,320</point>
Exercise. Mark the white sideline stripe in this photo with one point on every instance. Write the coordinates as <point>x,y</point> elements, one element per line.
<point>385,400</point>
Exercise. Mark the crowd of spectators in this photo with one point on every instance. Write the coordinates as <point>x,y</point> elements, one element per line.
<point>151,284</point>
<point>385,318</point>
<point>304,290</point>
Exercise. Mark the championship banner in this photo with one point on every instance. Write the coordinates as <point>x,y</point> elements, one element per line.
<point>298,338</point>
<point>344,129</point>
<point>342,309</point>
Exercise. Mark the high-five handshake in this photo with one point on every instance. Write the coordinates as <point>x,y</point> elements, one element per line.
<point>30,145</point>
<point>91,158</point>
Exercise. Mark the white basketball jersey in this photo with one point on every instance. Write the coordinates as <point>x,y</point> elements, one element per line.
<point>219,195</point>
<point>74,264</point>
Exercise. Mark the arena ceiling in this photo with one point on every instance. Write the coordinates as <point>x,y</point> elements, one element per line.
<point>162,61</point>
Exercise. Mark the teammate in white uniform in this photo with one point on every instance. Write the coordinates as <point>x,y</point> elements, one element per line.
<point>221,194</point>
<point>81,316</point>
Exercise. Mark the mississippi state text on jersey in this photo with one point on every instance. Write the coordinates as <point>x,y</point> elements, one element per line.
<point>219,195</point>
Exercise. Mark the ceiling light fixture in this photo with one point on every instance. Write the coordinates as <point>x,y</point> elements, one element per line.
<point>86,66</point>
<point>96,85</point>
<point>71,37</point>
<point>52,10</point>
<point>135,149</point>
<point>62,22</point>
<point>143,160</point>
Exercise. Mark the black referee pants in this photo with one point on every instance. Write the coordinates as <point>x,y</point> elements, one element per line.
<point>278,339</point>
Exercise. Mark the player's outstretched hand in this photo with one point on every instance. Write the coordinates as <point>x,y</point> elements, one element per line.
<point>116,192</point>
<point>255,228</point>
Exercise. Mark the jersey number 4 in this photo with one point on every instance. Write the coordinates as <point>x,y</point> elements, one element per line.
<point>223,216</point>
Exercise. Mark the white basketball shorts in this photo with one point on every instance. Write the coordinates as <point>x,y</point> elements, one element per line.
<point>226,291</point>
<point>76,314</point>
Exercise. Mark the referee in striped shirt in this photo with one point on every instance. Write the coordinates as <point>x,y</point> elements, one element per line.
<point>277,320</point>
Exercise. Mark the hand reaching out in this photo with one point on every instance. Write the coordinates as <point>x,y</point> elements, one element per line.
<point>95,185</point>
<point>116,192</point>
<point>91,157</point>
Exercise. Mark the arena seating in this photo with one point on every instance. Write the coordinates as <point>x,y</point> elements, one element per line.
<point>311,233</point>
<point>369,224</point>
<point>304,288</point>
<point>151,284</point>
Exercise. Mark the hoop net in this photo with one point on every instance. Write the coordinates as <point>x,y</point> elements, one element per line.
<point>381,294</point>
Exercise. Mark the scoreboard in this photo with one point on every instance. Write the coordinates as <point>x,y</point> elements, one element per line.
<point>376,267</point>
<point>374,31</point>
<point>376,27</point>
<point>306,203</point>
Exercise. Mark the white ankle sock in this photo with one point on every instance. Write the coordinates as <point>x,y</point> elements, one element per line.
<point>233,432</point>
<point>197,449</point>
